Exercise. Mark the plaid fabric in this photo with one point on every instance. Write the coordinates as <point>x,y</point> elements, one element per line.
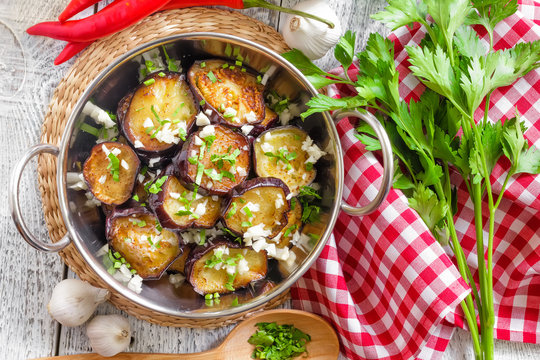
<point>387,286</point>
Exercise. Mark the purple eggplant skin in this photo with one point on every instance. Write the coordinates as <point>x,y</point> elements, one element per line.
<point>123,108</point>
<point>198,252</point>
<point>183,165</point>
<point>252,184</point>
<point>216,116</point>
<point>157,204</point>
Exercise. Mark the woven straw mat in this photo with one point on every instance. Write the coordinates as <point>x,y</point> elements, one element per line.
<point>98,56</point>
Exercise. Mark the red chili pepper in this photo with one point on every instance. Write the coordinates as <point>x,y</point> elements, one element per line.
<point>74,7</point>
<point>113,18</point>
<point>70,50</point>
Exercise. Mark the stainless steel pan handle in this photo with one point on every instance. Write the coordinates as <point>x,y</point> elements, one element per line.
<point>388,161</point>
<point>14,204</point>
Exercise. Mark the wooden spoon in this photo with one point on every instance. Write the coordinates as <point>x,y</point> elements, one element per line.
<point>324,343</point>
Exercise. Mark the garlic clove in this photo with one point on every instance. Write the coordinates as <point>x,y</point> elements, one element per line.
<point>109,334</point>
<point>73,301</point>
<point>310,36</point>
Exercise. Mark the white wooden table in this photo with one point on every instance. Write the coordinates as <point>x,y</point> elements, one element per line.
<point>27,276</point>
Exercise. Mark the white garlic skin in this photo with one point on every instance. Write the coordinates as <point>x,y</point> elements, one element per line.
<point>109,334</point>
<point>73,301</point>
<point>312,37</point>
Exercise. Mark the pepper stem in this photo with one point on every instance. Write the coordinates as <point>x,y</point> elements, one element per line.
<point>267,5</point>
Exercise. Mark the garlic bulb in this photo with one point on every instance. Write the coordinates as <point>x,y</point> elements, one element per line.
<point>73,301</point>
<point>109,334</point>
<point>312,37</point>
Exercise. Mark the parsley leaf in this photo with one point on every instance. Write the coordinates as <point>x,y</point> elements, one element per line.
<point>399,13</point>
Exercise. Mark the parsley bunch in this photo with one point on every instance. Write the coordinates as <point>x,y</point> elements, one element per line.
<point>459,73</point>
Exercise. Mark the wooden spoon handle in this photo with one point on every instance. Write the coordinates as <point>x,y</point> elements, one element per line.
<point>207,355</point>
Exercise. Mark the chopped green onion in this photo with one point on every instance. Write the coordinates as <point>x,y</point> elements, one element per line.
<point>247,211</point>
<point>161,74</point>
<point>90,129</point>
<point>149,82</point>
<point>246,224</point>
<point>156,186</point>
<point>202,102</point>
<point>203,64</point>
<point>136,197</point>
<point>202,235</point>
<point>228,50</point>
<point>232,211</point>
<point>114,166</point>
<point>212,77</point>
<point>290,229</point>
<point>238,62</point>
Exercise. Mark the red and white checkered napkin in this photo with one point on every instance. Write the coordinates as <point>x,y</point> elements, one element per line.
<point>387,286</point>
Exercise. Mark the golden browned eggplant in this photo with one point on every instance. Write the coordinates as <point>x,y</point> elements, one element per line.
<point>158,115</point>
<point>230,92</point>
<point>136,234</point>
<point>259,205</point>
<point>110,172</point>
<point>279,152</point>
<point>224,267</point>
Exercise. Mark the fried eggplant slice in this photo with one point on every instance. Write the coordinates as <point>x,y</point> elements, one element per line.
<point>282,152</point>
<point>160,114</point>
<point>136,234</point>
<point>216,158</point>
<point>179,208</point>
<point>224,267</point>
<point>231,92</point>
<point>294,224</point>
<point>110,172</point>
<point>258,207</point>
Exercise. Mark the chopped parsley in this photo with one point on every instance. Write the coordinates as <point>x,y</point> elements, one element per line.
<point>219,159</point>
<point>156,186</point>
<point>278,342</point>
<point>310,212</point>
<point>284,156</point>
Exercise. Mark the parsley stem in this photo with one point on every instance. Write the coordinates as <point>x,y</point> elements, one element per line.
<point>467,305</point>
